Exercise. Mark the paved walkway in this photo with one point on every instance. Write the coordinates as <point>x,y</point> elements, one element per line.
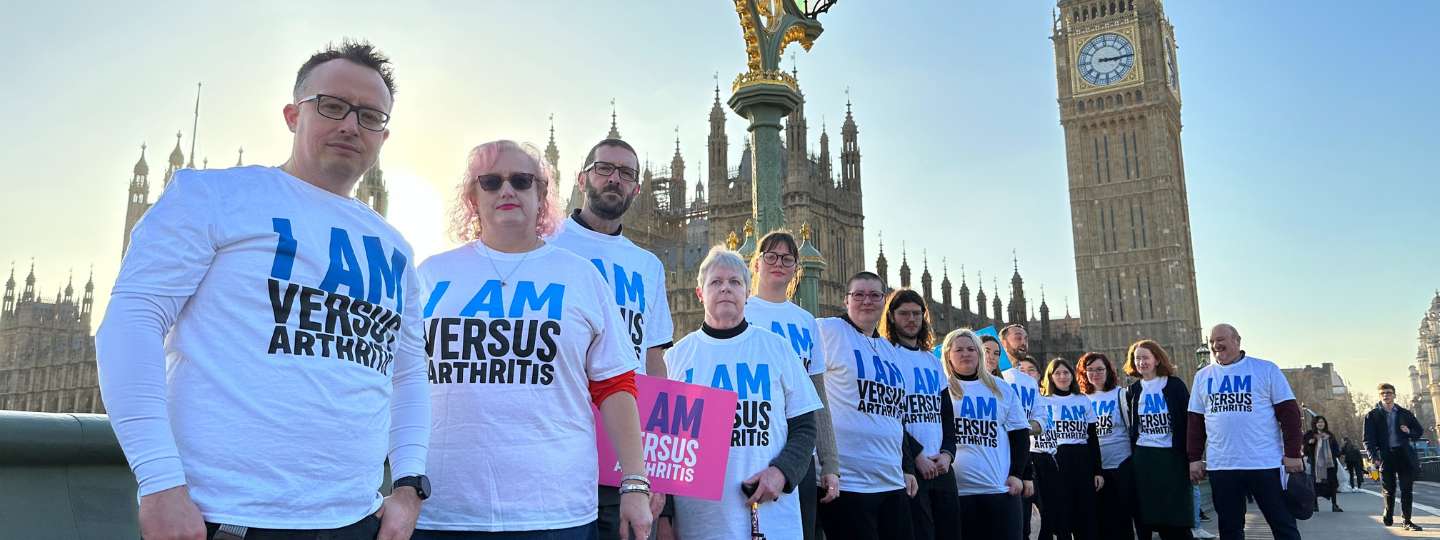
<point>1359,521</point>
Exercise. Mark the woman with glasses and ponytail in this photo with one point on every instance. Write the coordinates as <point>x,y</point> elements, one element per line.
<point>992,440</point>
<point>775,271</point>
<point>523,336</point>
<point>1077,455</point>
<point>1157,404</point>
<point>1115,502</point>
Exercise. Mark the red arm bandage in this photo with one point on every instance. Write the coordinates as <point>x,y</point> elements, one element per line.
<point>624,382</point>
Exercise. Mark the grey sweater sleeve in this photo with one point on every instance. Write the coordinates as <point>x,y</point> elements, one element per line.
<point>825,431</point>
<point>794,458</point>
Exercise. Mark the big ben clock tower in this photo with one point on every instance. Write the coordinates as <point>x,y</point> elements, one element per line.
<point>1119,98</point>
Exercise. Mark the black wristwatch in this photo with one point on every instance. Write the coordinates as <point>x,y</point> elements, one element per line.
<point>420,482</point>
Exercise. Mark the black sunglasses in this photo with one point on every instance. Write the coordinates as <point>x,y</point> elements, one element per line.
<point>492,182</point>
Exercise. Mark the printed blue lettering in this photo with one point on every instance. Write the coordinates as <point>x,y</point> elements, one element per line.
<point>389,277</point>
<point>435,295</point>
<point>552,300</point>
<point>486,299</point>
<point>284,249</point>
<point>344,267</point>
<point>756,381</point>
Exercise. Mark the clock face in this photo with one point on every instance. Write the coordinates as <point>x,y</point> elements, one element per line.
<point>1106,59</point>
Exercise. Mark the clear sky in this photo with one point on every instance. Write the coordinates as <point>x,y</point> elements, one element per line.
<point>1309,132</point>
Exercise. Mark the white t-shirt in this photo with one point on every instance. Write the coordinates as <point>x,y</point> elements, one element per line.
<point>638,279</point>
<point>510,370</point>
<point>983,422</point>
<point>1070,416</point>
<point>302,320</point>
<point>792,323</point>
<point>1044,442</point>
<point>922,397</point>
<point>1154,414</point>
<point>1110,428</point>
<point>866,390</point>
<point>1238,402</point>
<point>772,386</point>
<point>1027,388</point>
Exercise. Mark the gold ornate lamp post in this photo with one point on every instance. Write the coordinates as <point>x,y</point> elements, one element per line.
<point>764,94</point>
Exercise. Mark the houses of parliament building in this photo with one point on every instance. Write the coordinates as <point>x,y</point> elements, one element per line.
<point>1118,94</point>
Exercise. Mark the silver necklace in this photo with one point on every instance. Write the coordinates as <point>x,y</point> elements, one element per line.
<point>506,279</point>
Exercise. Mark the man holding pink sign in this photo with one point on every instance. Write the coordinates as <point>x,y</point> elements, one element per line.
<point>773,435</point>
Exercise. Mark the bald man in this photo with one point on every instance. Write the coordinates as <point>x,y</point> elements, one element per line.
<point>1249,426</point>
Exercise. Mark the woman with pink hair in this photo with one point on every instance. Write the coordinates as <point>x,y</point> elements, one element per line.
<point>522,337</point>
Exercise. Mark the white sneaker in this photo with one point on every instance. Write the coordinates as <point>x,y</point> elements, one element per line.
<point>1202,533</point>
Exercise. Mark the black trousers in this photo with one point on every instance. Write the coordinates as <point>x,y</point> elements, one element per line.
<point>809,498</point>
<point>1228,490</point>
<point>989,517</point>
<point>1396,472</point>
<point>935,508</point>
<point>1357,474</point>
<point>365,529</point>
<point>1116,504</point>
<point>867,516</point>
<point>1076,494</point>
<point>1049,497</point>
<point>582,532</point>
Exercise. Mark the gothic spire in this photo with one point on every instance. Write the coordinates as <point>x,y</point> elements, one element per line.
<point>552,152</point>
<point>614,131</point>
<point>177,158</point>
<point>142,168</point>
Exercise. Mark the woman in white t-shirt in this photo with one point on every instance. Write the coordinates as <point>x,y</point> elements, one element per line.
<point>1077,455</point>
<point>775,273</point>
<point>522,337</point>
<point>1163,498</point>
<point>1114,503</point>
<point>773,437</point>
<point>991,440</point>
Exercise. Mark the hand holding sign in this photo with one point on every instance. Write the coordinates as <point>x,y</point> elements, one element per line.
<point>686,431</point>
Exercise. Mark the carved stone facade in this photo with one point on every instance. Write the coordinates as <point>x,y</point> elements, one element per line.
<point>1119,100</point>
<point>47,353</point>
<point>1425,374</point>
<point>680,229</point>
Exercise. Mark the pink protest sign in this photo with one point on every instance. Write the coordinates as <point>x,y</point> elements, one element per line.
<point>686,438</point>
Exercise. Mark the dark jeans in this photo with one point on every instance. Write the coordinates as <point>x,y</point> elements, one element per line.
<point>867,516</point>
<point>1357,474</point>
<point>583,532</point>
<point>1076,496</point>
<point>365,529</point>
<point>1228,490</point>
<point>990,517</point>
<point>1116,502</point>
<point>1396,466</point>
<point>1047,488</point>
<point>935,509</point>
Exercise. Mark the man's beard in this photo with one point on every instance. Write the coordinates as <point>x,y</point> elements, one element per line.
<point>597,204</point>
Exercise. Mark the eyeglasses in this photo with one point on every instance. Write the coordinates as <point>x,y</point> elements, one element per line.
<point>606,169</point>
<point>335,108</point>
<point>492,182</point>
<point>862,296</point>
<point>770,257</point>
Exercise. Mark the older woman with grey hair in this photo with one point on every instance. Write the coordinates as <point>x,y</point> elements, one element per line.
<point>774,430</point>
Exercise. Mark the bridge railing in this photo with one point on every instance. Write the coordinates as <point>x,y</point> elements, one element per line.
<point>63,476</point>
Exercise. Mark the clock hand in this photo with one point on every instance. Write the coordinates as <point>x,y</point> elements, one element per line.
<point>1113,58</point>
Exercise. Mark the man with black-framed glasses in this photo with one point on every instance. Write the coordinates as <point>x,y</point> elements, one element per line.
<point>262,355</point>
<point>1389,429</point>
<point>610,180</point>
